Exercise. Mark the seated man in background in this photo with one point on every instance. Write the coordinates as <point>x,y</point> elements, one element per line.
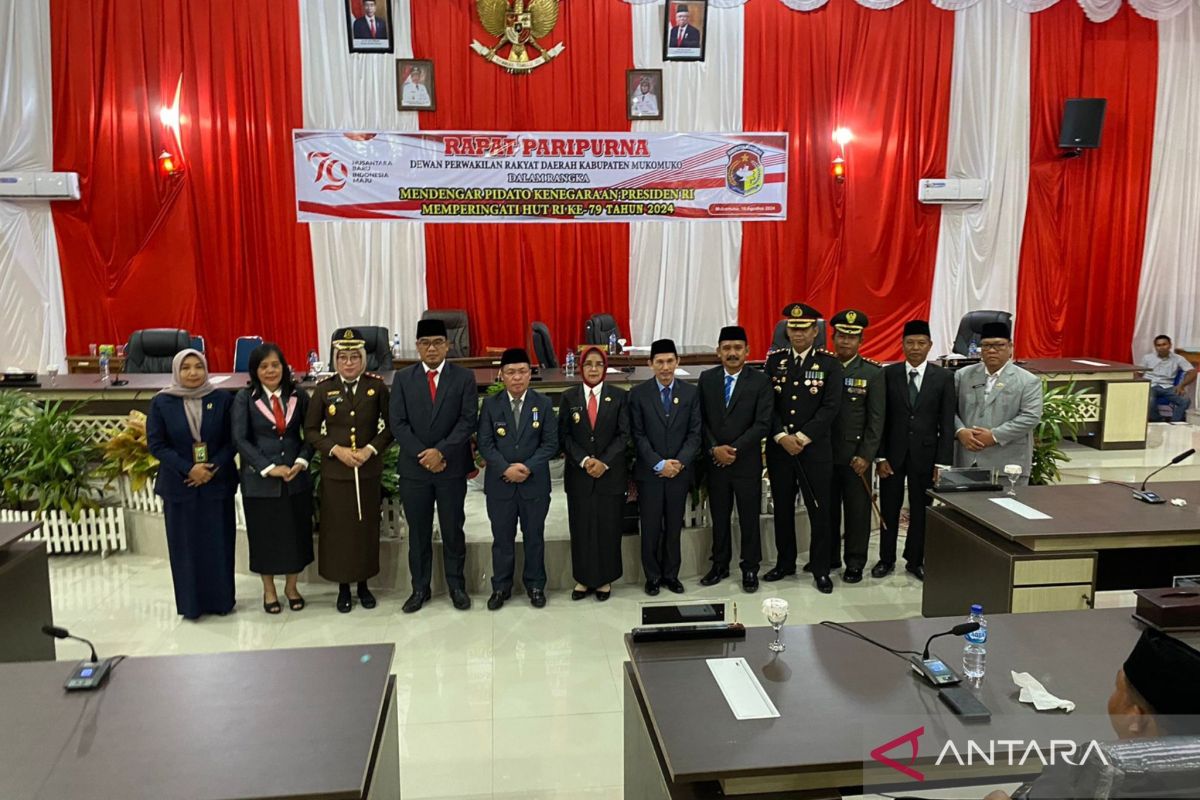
<point>1157,693</point>
<point>1161,367</point>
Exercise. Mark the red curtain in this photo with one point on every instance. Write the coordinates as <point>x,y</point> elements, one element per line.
<point>866,243</point>
<point>216,250</point>
<point>1081,254</point>
<point>508,275</point>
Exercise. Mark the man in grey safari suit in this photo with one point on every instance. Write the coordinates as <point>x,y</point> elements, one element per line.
<point>999,405</point>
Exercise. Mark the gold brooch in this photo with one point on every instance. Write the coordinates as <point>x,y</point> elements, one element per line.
<point>209,406</point>
<point>332,409</point>
<point>370,392</point>
<point>537,424</point>
<point>501,432</point>
<point>608,399</point>
<point>675,400</point>
<point>575,417</point>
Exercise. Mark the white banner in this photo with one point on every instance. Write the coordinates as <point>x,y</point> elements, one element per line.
<point>456,176</point>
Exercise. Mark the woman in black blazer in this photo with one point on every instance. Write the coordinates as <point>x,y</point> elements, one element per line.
<point>593,427</point>
<point>188,432</point>
<point>268,423</point>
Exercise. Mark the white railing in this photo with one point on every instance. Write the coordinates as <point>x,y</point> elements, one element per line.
<point>100,530</point>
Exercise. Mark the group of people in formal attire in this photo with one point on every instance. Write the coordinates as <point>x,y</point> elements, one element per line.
<point>828,419</point>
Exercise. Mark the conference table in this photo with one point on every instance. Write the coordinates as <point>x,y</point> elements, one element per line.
<point>24,595</point>
<point>839,698</point>
<point>294,724</point>
<point>1086,538</point>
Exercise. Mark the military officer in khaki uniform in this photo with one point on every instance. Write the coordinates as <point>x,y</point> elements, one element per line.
<point>343,424</point>
<point>857,430</point>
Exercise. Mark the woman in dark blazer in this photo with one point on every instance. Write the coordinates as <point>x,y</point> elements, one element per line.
<point>593,427</point>
<point>188,432</point>
<point>268,425</point>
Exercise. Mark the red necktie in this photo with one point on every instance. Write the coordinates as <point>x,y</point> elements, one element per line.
<point>432,375</point>
<point>280,419</point>
<point>593,408</point>
<point>372,28</point>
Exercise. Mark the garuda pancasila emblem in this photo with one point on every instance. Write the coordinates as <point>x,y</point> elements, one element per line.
<point>519,24</point>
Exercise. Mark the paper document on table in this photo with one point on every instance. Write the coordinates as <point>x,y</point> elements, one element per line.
<point>612,371</point>
<point>1017,507</point>
<point>1089,363</point>
<point>743,692</point>
<point>219,378</point>
<point>682,372</point>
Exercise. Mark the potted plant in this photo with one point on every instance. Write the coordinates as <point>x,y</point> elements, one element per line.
<point>1063,409</point>
<point>46,459</point>
<point>127,454</point>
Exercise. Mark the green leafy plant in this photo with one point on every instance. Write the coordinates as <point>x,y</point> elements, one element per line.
<point>127,453</point>
<point>1063,411</point>
<point>46,460</point>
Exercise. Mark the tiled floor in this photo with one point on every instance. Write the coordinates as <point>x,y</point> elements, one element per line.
<point>521,703</point>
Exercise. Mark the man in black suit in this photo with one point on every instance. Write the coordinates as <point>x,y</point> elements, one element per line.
<point>369,26</point>
<point>518,435</point>
<point>808,391</point>
<point>735,405</point>
<point>683,34</point>
<point>432,414</point>
<point>918,440</point>
<point>666,422</point>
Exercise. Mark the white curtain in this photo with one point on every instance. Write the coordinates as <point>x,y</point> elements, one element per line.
<point>1170,282</point>
<point>683,277</point>
<point>32,320</point>
<point>979,247</point>
<point>365,273</point>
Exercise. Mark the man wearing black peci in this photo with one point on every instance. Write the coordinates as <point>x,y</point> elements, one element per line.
<point>918,440</point>
<point>433,411</point>
<point>808,390</point>
<point>735,404</point>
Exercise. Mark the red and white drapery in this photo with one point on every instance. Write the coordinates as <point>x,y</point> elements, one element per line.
<point>1093,254</point>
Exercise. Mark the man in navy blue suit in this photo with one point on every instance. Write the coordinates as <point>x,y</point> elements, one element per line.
<point>666,422</point>
<point>433,411</point>
<point>518,435</point>
<point>369,26</point>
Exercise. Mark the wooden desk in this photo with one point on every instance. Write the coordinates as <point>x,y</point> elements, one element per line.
<point>24,595</point>
<point>77,365</point>
<point>1118,400</point>
<point>309,723</point>
<point>839,698</point>
<point>1098,538</point>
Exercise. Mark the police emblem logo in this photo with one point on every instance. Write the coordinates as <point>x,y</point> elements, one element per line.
<point>744,174</point>
<point>519,24</point>
<point>851,316</point>
<point>349,334</point>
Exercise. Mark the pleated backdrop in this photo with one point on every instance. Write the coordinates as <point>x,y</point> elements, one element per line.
<point>1094,255</point>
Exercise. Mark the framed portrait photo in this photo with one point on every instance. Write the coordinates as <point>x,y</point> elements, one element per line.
<point>684,30</point>
<point>369,26</point>
<point>643,94</point>
<point>414,85</point>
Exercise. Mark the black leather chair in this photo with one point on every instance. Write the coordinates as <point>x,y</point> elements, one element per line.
<point>379,348</point>
<point>151,350</point>
<point>543,348</point>
<point>970,326</point>
<point>458,329</point>
<point>1164,767</point>
<point>598,328</point>
<point>780,340</point>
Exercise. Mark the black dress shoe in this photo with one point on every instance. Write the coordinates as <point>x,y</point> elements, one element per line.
<point>579,594</point>
<point>673,584</point>
<point>852,575</point>
<point>882,569</point>
<point>460,598</point>
<point>602,596</point>
<point>497,599</point>
<point>365,598</point>
<point>652,588</point>
<point>778,573</point>
<point>537,598</point>
<point>750,581</point>
<point>714,576</point>
<point>344,603</point>
<point>824,584</point>
<point>414,601</point>
<point>917,572</point>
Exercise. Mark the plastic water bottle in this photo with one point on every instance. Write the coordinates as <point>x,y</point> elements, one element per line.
<point>973,348</point>
<point>612,343</point>
<point>104,373</point>
<point>396,349</point>
<point>975,650</point>
<point>569,364</point>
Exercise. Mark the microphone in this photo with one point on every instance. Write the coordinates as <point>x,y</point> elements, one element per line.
<point>962,629</point>
<point>63,633</point>
<point>1151,497</point>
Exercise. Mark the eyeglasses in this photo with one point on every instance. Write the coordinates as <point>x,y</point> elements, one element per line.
<point>993,346</point>
<point>354,356</point>
<point>431,343</point>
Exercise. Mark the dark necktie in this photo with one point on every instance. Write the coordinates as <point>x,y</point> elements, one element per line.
<point>912,387</point>
<point>666,400</point>
<point>728,389</point>
<point>516,409</point>
<point>350,389</point>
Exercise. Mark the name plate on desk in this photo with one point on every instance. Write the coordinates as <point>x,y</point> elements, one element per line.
<point>742,690</point>
<point>1019,508</point>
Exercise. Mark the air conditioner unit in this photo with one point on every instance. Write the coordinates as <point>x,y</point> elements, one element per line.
<point>39,185</point>
<point>952,190</point>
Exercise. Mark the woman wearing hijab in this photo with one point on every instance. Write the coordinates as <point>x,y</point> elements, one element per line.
<point>189,433</point>
<point>593,422</point>
<point>268,424</point>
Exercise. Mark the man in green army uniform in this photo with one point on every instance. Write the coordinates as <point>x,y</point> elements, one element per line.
<point>857,431</point>
<point>343,424</point>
